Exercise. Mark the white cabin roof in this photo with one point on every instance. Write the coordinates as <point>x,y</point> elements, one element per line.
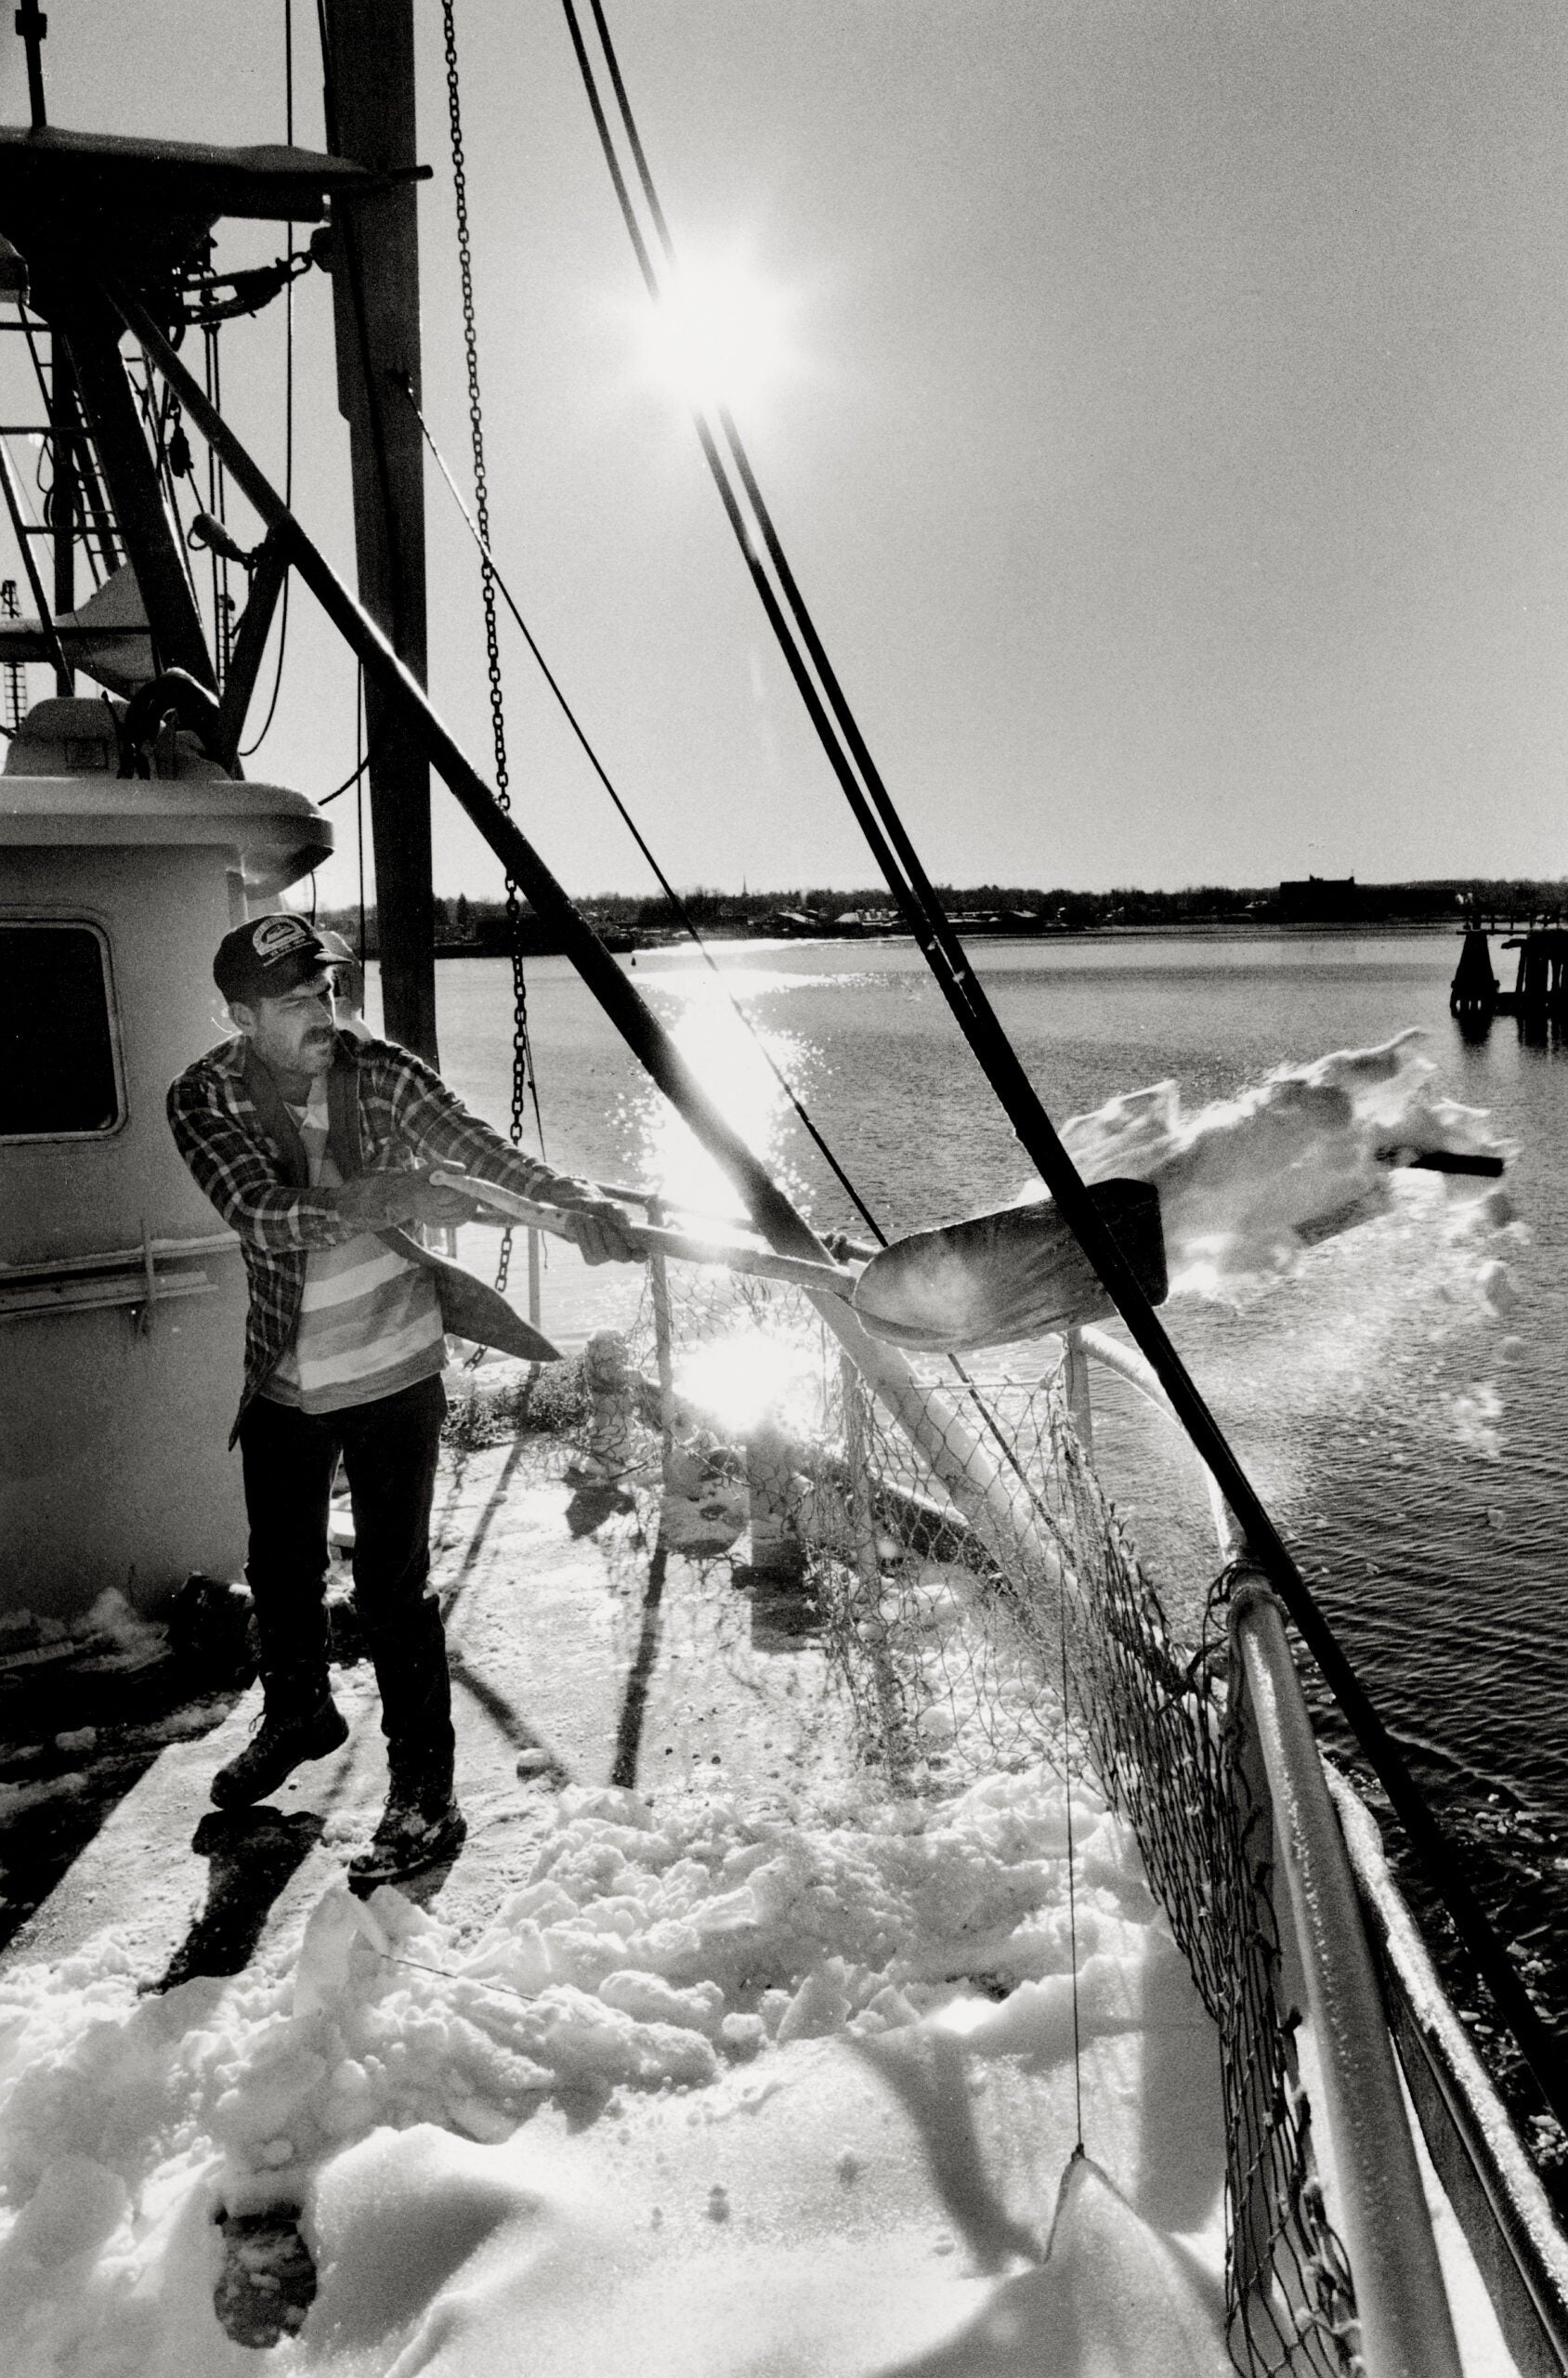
<point>65,793</point>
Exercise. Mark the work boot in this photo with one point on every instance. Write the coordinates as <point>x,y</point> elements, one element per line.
<point>421,1825</point>
<point>282,1739</point>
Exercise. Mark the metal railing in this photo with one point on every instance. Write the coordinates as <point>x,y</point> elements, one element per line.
<point>1380,2209</point>
<point>1500,2203</point>
<point>1321,1879</point>
<point>1317,1891</point>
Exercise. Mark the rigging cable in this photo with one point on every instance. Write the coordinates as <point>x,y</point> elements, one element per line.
<point>362,754</point>
<point>683,914</point>
<point>156,416</point>
<point>288,394</point>
<point>88,468</point>
<point>92,512</point>
<point>350,781</point>
<point>989,1416</point>
<point>174,462</point>
<point>942,952</point>
<point>223,602</point>
<point>828,678</point>
<point>970,1006</point>
<point>689,924</point>
<point>525,1075</point>
<point>817,683</point>
<point>992,1424</point>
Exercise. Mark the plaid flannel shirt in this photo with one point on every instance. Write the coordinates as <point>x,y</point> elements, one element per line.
<point>407,1117</point>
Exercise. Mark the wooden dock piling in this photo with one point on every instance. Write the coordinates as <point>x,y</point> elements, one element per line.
<point>1473,993</point>
<point>1540,991</point>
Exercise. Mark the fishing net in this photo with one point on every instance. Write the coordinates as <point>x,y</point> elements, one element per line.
<point>986,1610</point>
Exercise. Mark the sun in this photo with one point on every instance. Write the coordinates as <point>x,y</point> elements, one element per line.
<point>719,331</point>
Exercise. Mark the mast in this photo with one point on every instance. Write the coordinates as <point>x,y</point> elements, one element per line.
<point>90,336</point>
<point>87,365</point>
<point>77,208</point>
<point>370,111</point>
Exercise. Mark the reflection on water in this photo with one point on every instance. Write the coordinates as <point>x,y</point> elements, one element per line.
<point>1408,1437</point>
<point>725,1050</point>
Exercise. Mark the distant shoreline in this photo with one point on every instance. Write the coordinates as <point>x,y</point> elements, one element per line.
<point>1195,929</point>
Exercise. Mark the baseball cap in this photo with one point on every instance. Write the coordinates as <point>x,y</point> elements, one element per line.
<point>269,956</point>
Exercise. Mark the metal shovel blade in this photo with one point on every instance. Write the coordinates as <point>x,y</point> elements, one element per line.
<point>997,1277</point>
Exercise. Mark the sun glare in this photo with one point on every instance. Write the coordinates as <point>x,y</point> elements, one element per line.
<point>741,1378</point>
<point>725,1059</point>
<point>720,334</point>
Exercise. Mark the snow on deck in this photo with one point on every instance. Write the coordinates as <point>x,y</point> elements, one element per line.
<point>746,2068</point>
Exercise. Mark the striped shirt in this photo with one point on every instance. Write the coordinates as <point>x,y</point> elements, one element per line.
<point>406,1115</point>
<point>370,1321</point>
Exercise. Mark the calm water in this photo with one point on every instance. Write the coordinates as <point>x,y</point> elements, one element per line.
<point>1410,1443</point>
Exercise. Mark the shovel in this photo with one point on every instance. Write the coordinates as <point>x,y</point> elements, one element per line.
<point>1409,1159</point>
<point>1017,1273</point>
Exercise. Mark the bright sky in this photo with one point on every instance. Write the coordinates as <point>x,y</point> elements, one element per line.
<point>1162,405</point>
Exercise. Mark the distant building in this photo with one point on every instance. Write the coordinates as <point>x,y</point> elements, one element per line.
<point>1321,900</point>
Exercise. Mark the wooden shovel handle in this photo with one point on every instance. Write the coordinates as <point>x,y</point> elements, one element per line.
<point>1484,1167</point>
<point>761,1261</point>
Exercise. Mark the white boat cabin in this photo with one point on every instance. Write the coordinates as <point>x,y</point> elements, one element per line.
<point>122,1297</point>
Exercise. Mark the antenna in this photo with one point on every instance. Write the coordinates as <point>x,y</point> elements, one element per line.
<point>33,25</point>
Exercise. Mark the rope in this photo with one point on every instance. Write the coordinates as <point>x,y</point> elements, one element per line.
<point>917,911</point>
<point>444,1973</point>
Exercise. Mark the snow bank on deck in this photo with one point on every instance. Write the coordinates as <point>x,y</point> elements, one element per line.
<point>783,2079</point>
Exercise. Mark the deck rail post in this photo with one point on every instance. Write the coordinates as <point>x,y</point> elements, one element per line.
<point>663,1343</point>
<point>1080,1408</point>
<point>608,1378</point>
<point>772,1496</point>
<point>534,1298</point>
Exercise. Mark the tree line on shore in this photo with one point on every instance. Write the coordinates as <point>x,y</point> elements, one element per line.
<point>481,926</point>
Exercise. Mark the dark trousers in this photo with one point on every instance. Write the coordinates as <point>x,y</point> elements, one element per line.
<point>389,1450</point>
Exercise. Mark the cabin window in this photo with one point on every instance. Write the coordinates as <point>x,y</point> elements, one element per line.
<point>58,1074</point>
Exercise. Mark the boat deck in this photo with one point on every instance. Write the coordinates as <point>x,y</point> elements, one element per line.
<point>583,1653</point>
<point>567,1656</point>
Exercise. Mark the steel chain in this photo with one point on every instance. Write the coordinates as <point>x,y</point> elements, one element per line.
<point>522,1055</point>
